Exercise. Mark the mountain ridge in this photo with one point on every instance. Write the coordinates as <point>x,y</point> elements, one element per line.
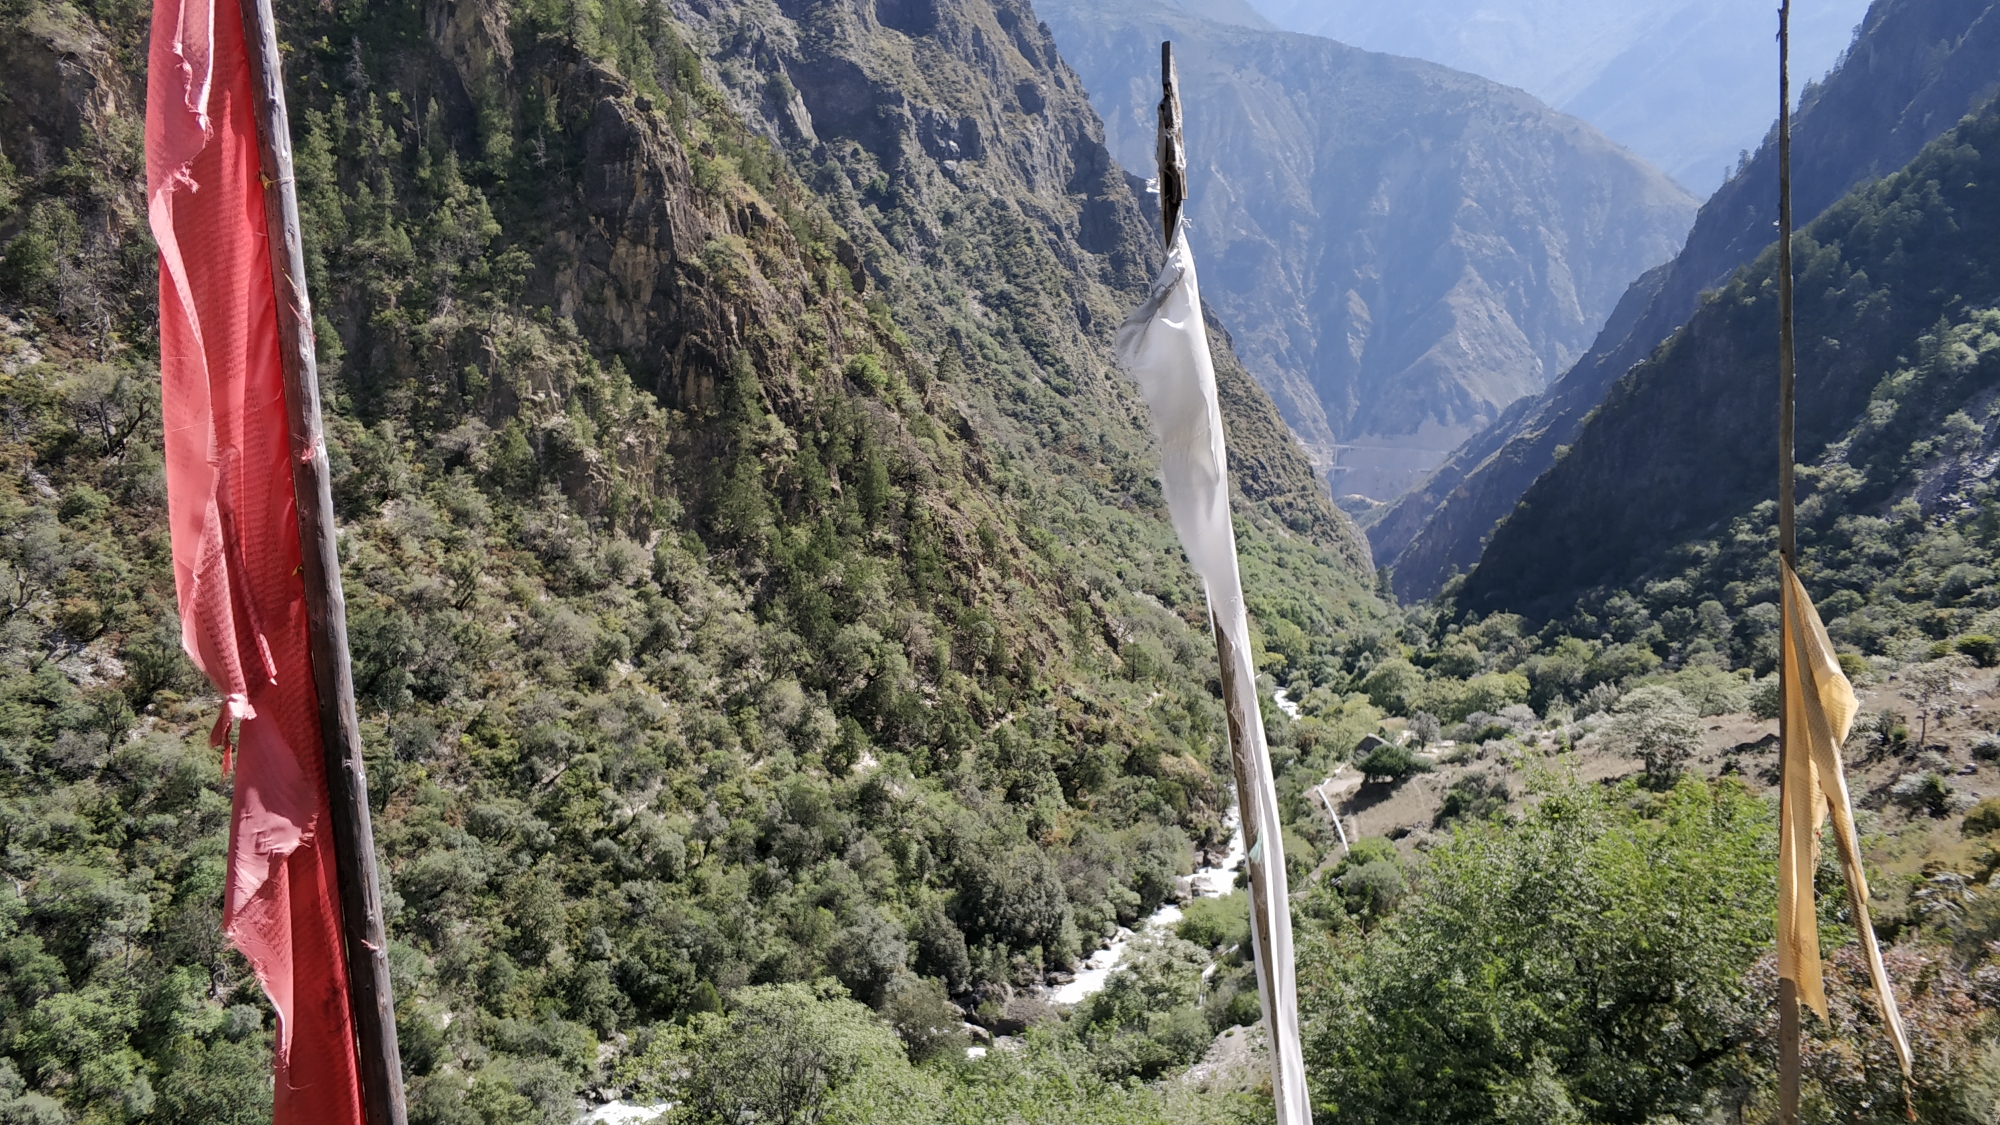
<point>1677,82</point>
<point>1401,250</point>
<point>1898,89</point>
<point>1683,442</point>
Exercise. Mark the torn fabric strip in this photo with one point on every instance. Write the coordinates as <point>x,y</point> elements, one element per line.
<point>236,545</point>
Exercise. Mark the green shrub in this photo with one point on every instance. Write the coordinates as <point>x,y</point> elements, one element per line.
<point>1710,690</point>
<point>1478,729</point>
<point>1657,724</point>
<point>1765,699</point>
<point>1373,889</point>
<point>1369,878</point>
<point>1394,686</point>
<point>82,503</point>
<point>1984,818</point>
<point>780,1054</point>
<point>1146,1020</point>
<point>1447,997</point>
<point>1242,1009</point>
<point>1216,923</point>
<point>1927,792</point>
<point>867,371</point>
<point>1301,857</point>
<point>1367,849</point>
<point>28,264</point>
<point>924,1017</point>
<point>1426,727</point>
<point>1441,695</point>
<point>1476,796</point>
<point>1493,693</point>
<point>1459,659</point>
<point>1390,763</point>
<point>1981,647</point>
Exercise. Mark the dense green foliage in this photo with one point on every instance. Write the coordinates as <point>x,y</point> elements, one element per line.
<point>1606,959</point>
<point>1605,945</point>
<point>798,1053</point>
<point>771,644</point>
<point>727,608</point>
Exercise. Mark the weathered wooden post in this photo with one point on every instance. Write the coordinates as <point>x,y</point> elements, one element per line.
<point>381,1072</point>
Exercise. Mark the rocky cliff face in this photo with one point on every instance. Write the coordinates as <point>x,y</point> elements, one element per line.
<point>1917,66</point>
<point>919,115</point>
<point>1401,250</point>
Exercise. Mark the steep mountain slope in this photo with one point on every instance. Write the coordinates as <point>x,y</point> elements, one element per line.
<point>1686,441</point>
<point>756,568</point>
<point>1401,250</point>
<point>1682,83</point>
<point>833,84</point>
<point>1916,66</point>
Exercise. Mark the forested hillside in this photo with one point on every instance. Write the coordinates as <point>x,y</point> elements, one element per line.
<point>1403,250</point>
<point>756,568</point>
<point>1915,68</point>
<point>1895,284</point>
<point>777,669</point>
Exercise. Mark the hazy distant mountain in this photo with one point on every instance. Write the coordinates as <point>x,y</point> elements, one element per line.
<point>1239,12</point>
<point>1917,66</point>
<point>1687,84</point>
<point>1401,249</point>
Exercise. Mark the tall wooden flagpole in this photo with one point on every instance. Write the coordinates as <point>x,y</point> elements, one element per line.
<point>1818,712</point>
<point>373,1004</point>
<point>1170,149</point>
<point>1788,990</point>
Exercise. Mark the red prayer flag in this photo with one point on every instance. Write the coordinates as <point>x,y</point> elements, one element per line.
<point>236,542</point>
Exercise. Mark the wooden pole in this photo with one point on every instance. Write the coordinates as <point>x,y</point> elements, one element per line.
<point>1787,370</point>
<point>1788,990</point>
<point>1267,943</point>
<point>1171,150</point>
<point>381,1072</point>
<point>1239,718</point>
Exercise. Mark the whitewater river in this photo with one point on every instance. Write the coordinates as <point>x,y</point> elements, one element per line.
<point>1208,882</point>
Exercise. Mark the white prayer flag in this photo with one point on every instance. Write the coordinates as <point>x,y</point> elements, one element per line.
<point>1164,347</point>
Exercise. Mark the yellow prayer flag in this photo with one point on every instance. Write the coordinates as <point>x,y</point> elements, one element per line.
<point>1819,711</point>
